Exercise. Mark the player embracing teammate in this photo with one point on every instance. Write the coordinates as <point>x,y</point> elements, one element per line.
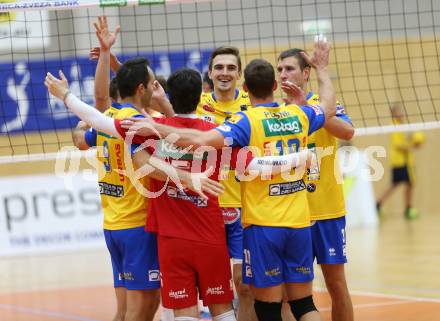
<point>279,242</point>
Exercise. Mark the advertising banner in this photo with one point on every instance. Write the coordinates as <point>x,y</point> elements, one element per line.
<point>40,213</point>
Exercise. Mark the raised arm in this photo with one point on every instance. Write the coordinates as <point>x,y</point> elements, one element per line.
<point>339,128</point>
<point>319,61</point>
<point>102,74</point>
<point>60,89</point>
<point>159,101</point>
<point>115,64</point>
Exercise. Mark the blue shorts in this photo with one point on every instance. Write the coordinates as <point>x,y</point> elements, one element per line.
<point>328,238</point>
<point>276,255</point>
<point>134,258</point>
<point>234,233</point>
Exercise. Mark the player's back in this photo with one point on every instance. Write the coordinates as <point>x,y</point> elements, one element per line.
<point>184,214</point>
<point>274,200</point>
<point>123,206</point>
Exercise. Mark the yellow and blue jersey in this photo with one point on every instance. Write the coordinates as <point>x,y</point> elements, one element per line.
<point>122,205</point>
<point>325,195</point>
<point>401,150</point>
<point>214,111</point>
<point>401,145</point>
<point>271,129</point>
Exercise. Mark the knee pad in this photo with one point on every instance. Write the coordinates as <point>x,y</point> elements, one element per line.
<point>302,306</point>
<point>268,311</point>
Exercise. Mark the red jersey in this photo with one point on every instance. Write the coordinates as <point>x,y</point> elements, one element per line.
<point>182,213</point>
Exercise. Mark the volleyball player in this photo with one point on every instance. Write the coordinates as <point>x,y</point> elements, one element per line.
<point>402,146</point>
<point>324,194</point>
<point>224,70</point>
<point>133,251</point>
<point>193,254</point>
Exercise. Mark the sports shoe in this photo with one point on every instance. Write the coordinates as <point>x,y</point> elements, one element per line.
<point>411,213</point>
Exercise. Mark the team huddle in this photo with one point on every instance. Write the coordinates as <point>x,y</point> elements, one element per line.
<point>192,183</point>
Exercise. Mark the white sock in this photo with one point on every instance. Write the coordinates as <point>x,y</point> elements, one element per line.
<point>227,316</point>
<point>167,315</point>
<point>186,319</point>
<point>202,308</point>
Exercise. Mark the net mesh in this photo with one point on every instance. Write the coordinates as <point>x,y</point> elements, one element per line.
<point>384,52</point>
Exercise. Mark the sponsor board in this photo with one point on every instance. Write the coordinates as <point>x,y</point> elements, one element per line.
<point>12,5</point>
<point>40,214</point>
<point>23,30</point>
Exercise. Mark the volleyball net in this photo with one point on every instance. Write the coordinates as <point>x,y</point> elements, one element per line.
<point>384,53</point>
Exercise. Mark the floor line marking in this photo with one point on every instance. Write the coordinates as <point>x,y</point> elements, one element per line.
<point>384,295</point>
<point>370,305</point>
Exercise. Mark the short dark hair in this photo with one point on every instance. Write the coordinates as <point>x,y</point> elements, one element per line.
<point>225,50</point>
<point>208,80</point>
<point>113,89</point>
<point>259,77</point>
<point>132,73</point>
<point>295,52</point>
<point>184,90</point>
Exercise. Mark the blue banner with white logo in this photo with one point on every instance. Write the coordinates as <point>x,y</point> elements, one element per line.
<point>26,106</point>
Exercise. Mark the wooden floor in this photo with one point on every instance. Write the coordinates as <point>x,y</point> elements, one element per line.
<point>392,274</point>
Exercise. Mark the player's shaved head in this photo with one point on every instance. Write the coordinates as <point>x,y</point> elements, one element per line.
<point>225,50</point>
<point>295,52</point>
<point>184,90</point>
<point>259,78</point>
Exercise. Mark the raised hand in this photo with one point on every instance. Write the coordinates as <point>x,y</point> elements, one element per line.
<point>105,37</point>
<point>57,87</point>
<point>94,53</point>
<point>158,92</point>
<point>320,54</point>
<point>115,64</point>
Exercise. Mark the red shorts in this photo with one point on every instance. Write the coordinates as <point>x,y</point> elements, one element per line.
<point>186,266</point>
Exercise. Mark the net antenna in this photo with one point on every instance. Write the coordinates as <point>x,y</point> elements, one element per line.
<point>384,52</point>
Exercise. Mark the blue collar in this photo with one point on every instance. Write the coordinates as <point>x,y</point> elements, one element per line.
<point>274,104</point>
<point>116,105</point>
<point>309,95</point>
<point>215,98</point>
